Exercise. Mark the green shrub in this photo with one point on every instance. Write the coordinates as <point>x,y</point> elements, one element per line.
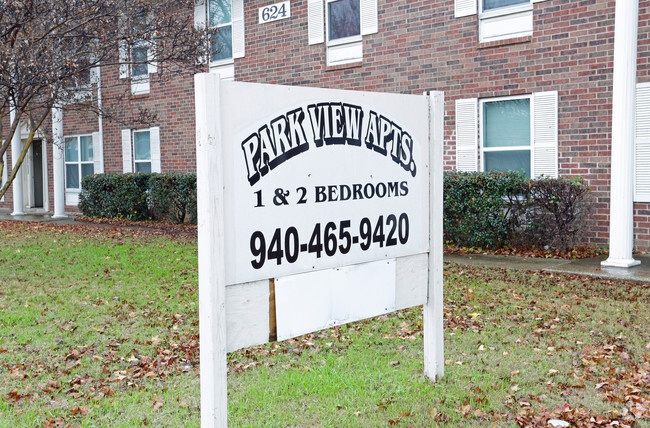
<point>115,196</point>
<point>173,196</point>
<point>477,209</point>
<point>495,209</point>
<point>555,212</point>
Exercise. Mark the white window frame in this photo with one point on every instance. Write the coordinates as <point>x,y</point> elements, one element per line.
<point>230,24</point>
<point>481,125</point>
<point>544,134</point>
<point>344,50</point>
<point>79,162</point>
<point>146,161</point>
<point>348,50</point>
<point>128,149</point>
<point>72,194</point>
<point>502,23</point>
<point>225,67</point>
<point>504,10</point>
<point>140,84</point>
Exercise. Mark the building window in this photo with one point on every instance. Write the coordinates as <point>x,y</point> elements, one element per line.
<point>496,4</point>
<point>515,133</point>
<point>225,19</point>
<point>78,160</point>
<point>220,19</point>
<point>499,19</point>
<point>506,135</point>
<point>137,62</point>
<point>142,151</point>
<point>342,24</point>
<point>140,58</point>
<point>343,19</point>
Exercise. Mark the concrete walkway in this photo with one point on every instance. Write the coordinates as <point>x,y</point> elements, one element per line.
<point>589,267</point>
<point>5,214</point>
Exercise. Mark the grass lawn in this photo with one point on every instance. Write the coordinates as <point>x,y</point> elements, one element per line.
<point>99,327</point>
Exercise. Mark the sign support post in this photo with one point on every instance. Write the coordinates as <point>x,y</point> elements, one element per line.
<point>434,363</point>
<point>212,281</point>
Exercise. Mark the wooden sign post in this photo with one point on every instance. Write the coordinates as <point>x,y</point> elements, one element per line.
<point>316,208</point>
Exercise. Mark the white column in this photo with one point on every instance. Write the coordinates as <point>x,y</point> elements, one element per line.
<point>58,162</point>
<point>17,185</point>
<point>621,212</point>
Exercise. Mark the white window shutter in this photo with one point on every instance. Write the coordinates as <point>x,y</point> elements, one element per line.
<point>467,134</point>
<point>98,154</point>
<point>465,8</point>
<point>545,129</point>
<point>369,20</point>
<point>123,59</point>
<point>152,64</point>
<point>315,21</point>
<point>127,157</point>
<point>238,38</point>
<point>642,144</point>
<point>200,14</point>
<point>200,21</point>
<point>154,141</point>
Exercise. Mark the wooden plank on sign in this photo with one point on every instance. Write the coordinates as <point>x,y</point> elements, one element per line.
<point>247,314</point>
<point>411,281</point>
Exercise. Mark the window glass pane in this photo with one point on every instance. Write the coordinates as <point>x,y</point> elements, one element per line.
<point>139,57</point>
<point>143,167</point>
<point>344,19</point>
<point>86,148</point>
<point>222,43</point>
<point>506,123</point>
<point>87,169</point>
<point>72,176</point>
<point>513,160</point>
<point>495,4</point>
<point>71,150</point>
<point>141,146</point>
<point>219,11</point>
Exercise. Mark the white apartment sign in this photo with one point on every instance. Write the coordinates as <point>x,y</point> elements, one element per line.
<point>322,197</point>
<point>321,178</point>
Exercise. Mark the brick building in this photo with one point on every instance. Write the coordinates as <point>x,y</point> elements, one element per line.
<point>528,85</point>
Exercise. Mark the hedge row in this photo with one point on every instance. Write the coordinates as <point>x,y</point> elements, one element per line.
<point>488,209</point>
<point>496,209</point>
<point>139,196</point>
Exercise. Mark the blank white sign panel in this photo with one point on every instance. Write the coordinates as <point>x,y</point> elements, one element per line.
<point>316,300</point>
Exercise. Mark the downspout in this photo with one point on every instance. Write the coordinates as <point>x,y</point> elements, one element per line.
<point>100,115</point>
